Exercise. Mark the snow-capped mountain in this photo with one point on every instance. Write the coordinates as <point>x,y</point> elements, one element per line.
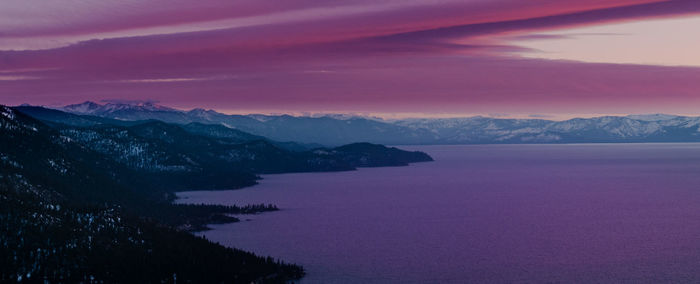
<point>83,108</point>
<point>343,129</point>
<point>655,128</point>
<point>652,117</point>
<point>93,108</point>
<point>325,130</point>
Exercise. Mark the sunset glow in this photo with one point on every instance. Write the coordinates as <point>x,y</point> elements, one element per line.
<point>391,58</point>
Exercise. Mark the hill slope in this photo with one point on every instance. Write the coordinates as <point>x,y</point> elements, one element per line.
<point>68,217</point>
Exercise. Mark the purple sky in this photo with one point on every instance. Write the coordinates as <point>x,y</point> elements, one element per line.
<point>392,58</point>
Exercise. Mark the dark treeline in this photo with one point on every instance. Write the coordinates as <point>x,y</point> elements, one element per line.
<point>230,209</point>
<point>43,240</point>
<point>195,217</point>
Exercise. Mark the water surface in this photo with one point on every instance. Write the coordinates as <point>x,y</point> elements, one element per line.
<point>485,214</point>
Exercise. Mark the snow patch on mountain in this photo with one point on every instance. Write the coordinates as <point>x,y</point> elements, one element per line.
<point>93,108</point>
<point>652,117</point>
<point>7,112</point>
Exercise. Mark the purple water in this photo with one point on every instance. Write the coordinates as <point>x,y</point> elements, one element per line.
<point>604,213</point>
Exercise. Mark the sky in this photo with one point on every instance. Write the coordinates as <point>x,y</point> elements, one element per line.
<point>388,58</point>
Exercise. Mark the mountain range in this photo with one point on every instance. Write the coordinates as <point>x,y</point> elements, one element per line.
<point>337,130</point>
<point>205,156</point>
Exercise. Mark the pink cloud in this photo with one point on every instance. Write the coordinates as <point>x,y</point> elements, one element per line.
<point>438,56</point>
<point>79,17</point>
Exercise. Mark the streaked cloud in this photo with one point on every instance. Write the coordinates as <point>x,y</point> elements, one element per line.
<point>430,56</point>
<point>16,77</point>
<point>652,42</point>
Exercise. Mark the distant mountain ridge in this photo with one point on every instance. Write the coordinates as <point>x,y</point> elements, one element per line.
<point>338,130</point>
<point>93,108</point>
<point>482,130</point>
<point>325,130</point>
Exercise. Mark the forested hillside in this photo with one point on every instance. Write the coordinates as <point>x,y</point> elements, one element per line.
<point>86,199</point>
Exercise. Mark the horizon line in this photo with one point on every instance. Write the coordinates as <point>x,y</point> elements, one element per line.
<point>384,116</point>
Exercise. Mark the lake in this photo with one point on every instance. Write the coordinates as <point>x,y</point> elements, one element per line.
<point>579,213</point>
